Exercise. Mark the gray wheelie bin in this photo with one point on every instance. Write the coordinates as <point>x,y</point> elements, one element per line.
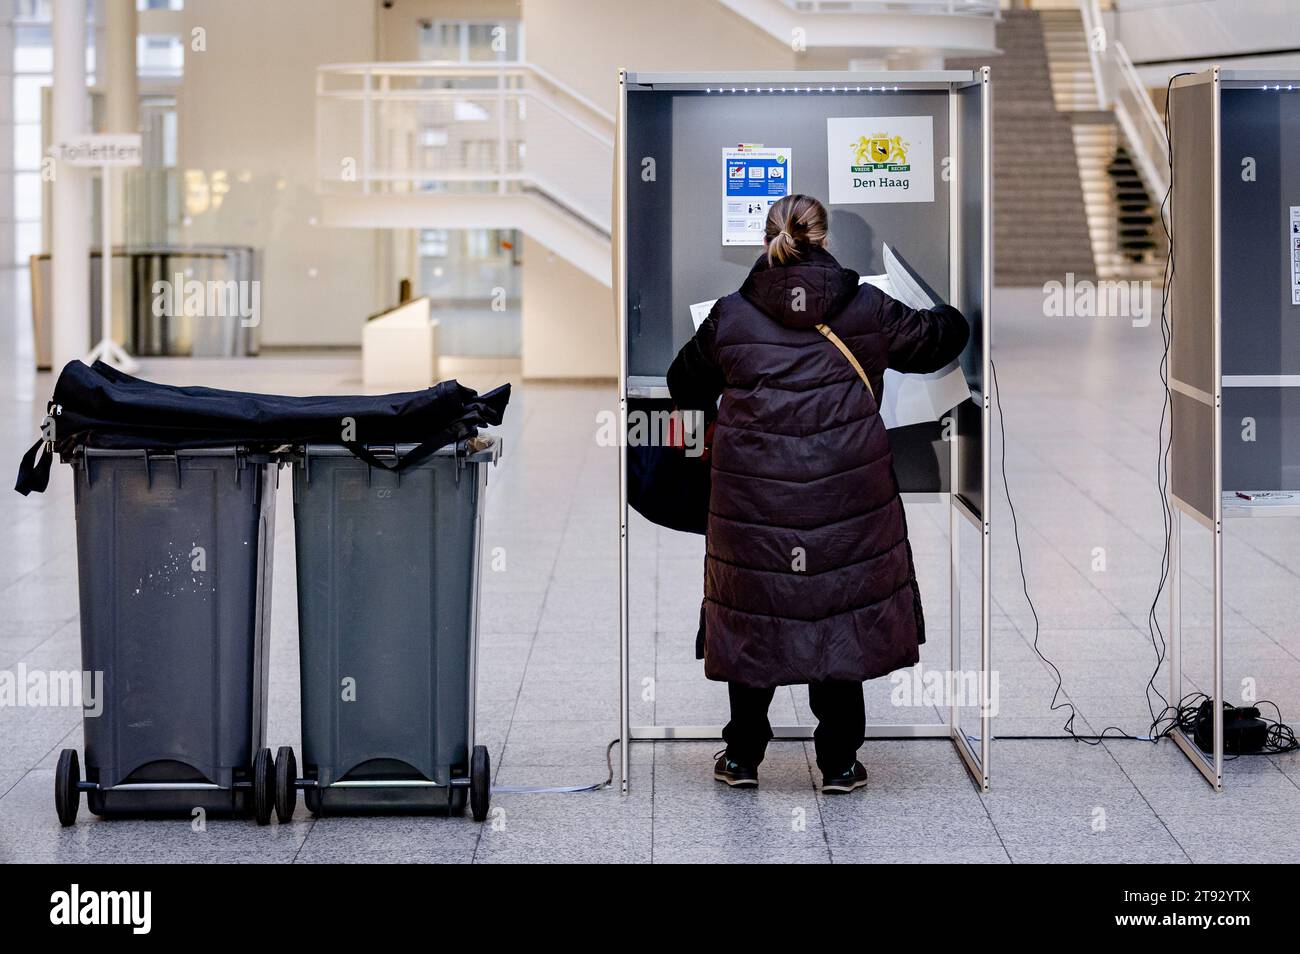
<point>174,565</point>
<point>388,579</point>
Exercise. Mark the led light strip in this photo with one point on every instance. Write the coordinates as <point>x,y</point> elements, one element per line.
<point>803,89</point>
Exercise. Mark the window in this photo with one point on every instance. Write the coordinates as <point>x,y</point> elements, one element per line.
<point>472,41</point>
<point>160,57</point>
<point>30,69</point>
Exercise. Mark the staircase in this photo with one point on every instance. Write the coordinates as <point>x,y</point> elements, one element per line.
<point>1128,240</point>
<point>1073,85</point>
<point>1040,222</point>
<point>1124,227</point>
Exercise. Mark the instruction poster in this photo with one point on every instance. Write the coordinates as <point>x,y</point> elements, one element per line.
<point>754,177</point>
<point>1293,243</point>
<point>880,159</point>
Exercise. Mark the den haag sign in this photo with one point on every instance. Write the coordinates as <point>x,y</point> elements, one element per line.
<point>880,159</point>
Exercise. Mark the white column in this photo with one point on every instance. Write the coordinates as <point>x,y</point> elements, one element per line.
<point>121,93</point>
<point>70,225</point>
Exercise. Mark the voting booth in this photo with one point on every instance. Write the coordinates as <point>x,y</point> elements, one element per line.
<point>1234,362</point>
<point>902,162</point>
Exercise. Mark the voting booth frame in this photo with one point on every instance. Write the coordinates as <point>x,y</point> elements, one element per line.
<point>1231,242</point>
<point>965,98</point>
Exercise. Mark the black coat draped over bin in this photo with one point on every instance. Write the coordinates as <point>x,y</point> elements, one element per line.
<point>808,570</point>
<point>99,406</point>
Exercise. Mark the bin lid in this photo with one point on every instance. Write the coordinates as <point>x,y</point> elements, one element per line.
<point>482,448</point>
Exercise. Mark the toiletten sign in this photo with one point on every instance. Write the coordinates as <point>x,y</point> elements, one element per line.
<point>880,159</point>
<point>101,149</point>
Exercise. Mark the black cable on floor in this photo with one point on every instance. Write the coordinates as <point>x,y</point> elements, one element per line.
<point>1024,584</point>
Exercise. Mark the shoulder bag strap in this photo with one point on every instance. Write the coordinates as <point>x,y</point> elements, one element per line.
<point>834,339</point>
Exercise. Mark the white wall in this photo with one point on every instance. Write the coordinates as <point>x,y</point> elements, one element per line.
<point>247,109</point>
<point>1195,29</point>
<point>568,318</point>
<point>586,42</point>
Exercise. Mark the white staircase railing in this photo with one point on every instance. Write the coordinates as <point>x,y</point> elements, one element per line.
<point>952,8</point>
<point>1120,89</point>
<point>463,128</point>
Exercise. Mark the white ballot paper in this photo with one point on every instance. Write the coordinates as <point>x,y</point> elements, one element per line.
<point>915,398</point>
<point>700,310</point>
<point>908,398</point>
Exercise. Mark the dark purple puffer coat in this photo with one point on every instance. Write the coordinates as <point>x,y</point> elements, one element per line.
<point>808,572</point>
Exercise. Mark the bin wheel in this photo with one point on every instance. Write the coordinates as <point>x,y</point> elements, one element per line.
<point>67,797</point>
<point>311,798</point>
<point>286,788</point>
<point>263,786</point>
<point>480,782</point>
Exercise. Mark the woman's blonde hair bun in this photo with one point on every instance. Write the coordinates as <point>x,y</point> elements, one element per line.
<point>794,221</point>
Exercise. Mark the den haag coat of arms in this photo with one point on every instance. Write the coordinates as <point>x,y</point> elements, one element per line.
<point>880,151</point>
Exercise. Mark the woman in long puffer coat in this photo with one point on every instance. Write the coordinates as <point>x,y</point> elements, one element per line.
<point>808,571</point>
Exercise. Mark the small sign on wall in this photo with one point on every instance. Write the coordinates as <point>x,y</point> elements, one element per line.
<point>101,149</point>
<point>880,159</point>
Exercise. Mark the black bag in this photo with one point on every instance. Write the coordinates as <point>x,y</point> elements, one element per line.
<point>664,485</point>
<point>99,406</point>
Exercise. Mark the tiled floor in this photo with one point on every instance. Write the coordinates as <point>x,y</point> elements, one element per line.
<point>1082,402</point>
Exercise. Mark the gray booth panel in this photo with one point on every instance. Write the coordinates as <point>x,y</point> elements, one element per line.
<point>674,241</point>
<point>675,255</point>
<point>971,176</point>
<point>1191,474</point>
<point>1261,326</point>
<point>1271,461</point>
<point>1192,348</point>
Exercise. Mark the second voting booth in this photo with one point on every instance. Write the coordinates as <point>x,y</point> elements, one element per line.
<point>1234,358</point>
<point>900,159</point>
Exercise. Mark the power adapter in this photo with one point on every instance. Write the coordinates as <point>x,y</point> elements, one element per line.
<point>1243,729</point>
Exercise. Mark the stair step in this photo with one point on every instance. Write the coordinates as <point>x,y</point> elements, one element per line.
<point>1040,226</point>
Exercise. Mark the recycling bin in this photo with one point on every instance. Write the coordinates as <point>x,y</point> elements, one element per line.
<point>388,586</point>
<point>174,565</point>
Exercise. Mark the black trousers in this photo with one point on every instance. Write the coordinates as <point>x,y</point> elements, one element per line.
<point>841,724</point>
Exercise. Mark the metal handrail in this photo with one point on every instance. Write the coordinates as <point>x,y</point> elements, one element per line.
<point>425,95</point>
<point>455,68</point>
<point>1126,69</point>
<point>952,8</point>
<point>1094,35</point>
<point>1121,90</point>
<point>542,137</point>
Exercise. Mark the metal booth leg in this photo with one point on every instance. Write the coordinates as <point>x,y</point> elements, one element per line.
<point>1209,766</point>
